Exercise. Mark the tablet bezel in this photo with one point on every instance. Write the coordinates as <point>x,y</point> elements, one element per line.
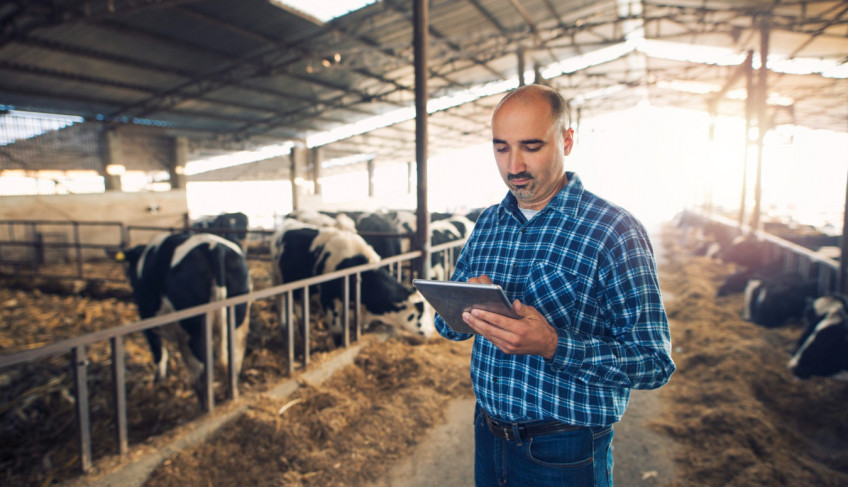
<point>451,298</point>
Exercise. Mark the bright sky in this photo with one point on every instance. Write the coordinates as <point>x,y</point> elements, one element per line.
<point>324,10</point>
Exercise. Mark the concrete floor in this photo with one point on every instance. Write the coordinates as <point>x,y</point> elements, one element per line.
<point>446,456</point>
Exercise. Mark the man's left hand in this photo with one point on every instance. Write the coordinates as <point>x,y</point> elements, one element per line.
<point>530,335</point>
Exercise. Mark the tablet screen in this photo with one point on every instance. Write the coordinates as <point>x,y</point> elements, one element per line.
<point>450,299</point>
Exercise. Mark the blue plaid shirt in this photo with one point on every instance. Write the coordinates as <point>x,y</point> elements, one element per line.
<point>588,267</point>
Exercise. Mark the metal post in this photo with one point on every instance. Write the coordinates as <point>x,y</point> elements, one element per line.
<point>521,68</point>
<point>114,157</point>
<point>180,158</point>
<point>306,325</point>
<point>208,376</point>
<point>289,320</point>
<point>749,112</point>
<point>119,391</point>
<point>79,364</point>
<point>762,124</point>
<point>297,159</point>
<point>317,159</point>
<point>422,237</point>
<point>232,373</point>
<point>78,248</point>
<point>346,311</point>
<point>843,265</point>
<point>370,178</point>
<point>357,316</point>
<point>708,197</point>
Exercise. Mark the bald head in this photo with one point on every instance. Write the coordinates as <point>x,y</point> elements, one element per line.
<point>557,104</point>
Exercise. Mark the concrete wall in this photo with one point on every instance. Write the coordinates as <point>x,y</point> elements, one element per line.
<point>155,209</point>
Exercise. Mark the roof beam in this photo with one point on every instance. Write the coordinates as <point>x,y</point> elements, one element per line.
<point>41,15</point>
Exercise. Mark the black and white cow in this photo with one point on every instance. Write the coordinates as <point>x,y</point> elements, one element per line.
<point>175,272</point>
<point>324,219</point>
<point>447,230</point>
<point>822,349</point>
<point>747,251</point>
<point>770,301</point>
<point>301,251</point>
<point>381,233</point>
<point>231,226</point>
<point>738,281</point>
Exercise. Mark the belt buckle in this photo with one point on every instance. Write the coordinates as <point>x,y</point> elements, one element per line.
<point>508,434</point>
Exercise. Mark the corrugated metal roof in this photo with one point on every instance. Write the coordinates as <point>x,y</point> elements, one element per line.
<point>227,72</point>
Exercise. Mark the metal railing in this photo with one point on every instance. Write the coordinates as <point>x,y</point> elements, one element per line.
<point>25,244</point>
<point>76,348</point>
<point>794,257</point>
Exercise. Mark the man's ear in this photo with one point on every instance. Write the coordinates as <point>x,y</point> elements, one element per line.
<point>567,141</point>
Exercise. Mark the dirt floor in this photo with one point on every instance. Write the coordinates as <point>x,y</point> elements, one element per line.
<point>739,417</point>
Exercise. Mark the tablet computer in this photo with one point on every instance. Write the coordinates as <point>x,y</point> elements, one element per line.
<point>451,299</point>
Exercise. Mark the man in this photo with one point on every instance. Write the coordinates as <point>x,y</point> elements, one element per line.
<point>583,278</point>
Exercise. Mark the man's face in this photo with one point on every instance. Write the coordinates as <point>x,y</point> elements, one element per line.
<point>529,149</point>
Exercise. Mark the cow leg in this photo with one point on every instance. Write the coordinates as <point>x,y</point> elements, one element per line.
<point>241,340</point>
<point>189,336</point>
<point>160,354</point>
<point>333,320</point>
<point>219,325</point>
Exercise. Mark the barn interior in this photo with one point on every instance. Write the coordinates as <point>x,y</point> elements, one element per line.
<point>117,111</point>
<point>154,91</point>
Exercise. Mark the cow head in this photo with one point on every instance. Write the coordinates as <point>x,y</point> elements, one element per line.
<point>413,315</point>
<point>130,258</point>
<point>824,352</point>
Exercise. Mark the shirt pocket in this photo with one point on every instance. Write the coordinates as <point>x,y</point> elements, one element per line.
<point>552,289</point>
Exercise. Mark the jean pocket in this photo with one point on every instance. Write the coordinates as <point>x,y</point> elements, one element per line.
<point>572,449</point>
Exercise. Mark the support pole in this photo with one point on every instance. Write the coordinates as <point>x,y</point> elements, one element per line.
<point>749,114</point>
<point>317,157</point>
<point>762,124</point>
<point>708,197</point>
<point>422,237</point>
<point>114,159</point>
<point>371,178</point>
<point>297,160</point>
<point>521,67</point>
<point>180,158</point>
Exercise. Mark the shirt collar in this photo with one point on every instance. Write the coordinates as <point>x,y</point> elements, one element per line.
<point>566,201</point>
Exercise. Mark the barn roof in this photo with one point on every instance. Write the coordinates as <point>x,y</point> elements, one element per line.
<point>248,73</point>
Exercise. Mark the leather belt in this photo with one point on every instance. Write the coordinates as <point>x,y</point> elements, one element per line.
<point>524,431</point>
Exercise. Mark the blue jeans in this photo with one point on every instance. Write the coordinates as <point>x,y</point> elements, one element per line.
<point>579,458</point>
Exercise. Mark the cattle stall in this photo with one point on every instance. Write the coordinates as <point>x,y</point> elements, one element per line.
<point>30,247</point>
<point>794,257</point>
<point>76,351</point>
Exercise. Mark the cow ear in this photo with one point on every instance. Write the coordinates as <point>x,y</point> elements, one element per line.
<point>118,255</point>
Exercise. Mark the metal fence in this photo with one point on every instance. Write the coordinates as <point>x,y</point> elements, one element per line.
<point>29,247</point>
<point>76,348</point>
<point>795,258</point>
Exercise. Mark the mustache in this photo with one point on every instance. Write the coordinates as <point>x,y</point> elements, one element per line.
<point>521,175</point>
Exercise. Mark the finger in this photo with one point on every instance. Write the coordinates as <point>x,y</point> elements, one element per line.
<point>481,279</point>
<point>494,319</point>
<point>493,326</point>
<point>481,325</point>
